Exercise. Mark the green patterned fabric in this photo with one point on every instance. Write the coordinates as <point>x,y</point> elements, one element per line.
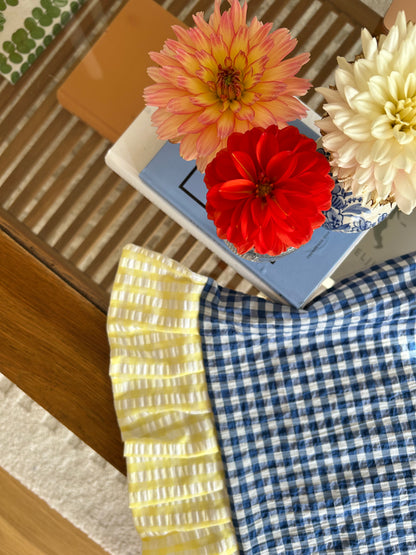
<point>27,27</point>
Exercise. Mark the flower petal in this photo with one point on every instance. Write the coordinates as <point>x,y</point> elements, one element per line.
<point>182,105</point>
<point>187,147</point>
<point>190,125</point>
<point>221,169</point>
<point>204,99</point>
<point>207,141</point>
<point>356,128</point>
<point>245,165</point>
<point>238,47</point>
<point>267,147</point>
<point>237,189</point>
<point>244,112</point>
<point>210,114</point>
<point>161,94</point>
<point>269,90</point>
<point>168,128</point>
<point>225,124</point>
<point>281,165</point>
<point>382,128</point>
<point>248,227</point>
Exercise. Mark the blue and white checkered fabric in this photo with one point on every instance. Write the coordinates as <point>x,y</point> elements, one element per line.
<point>315,412</point>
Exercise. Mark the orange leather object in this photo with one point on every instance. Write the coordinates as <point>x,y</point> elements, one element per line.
<point>105,90</point>
<point>409,6</point>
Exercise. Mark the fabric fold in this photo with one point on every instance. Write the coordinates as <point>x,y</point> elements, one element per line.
<point>177,490</point>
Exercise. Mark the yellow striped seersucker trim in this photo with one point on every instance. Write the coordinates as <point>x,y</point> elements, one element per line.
<point>176,481</point>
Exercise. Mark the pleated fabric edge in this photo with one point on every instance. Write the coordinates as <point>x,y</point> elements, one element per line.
<point>177,490</point>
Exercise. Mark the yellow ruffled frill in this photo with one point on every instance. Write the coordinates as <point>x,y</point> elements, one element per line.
<point>177,489</point>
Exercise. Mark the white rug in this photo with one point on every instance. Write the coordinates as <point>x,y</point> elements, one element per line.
<point>51,461</point>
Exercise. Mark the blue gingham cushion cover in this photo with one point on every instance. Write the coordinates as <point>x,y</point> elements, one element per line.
<point>315,414</point>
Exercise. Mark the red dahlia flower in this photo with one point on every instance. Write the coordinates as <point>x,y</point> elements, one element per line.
<point>267,190</point>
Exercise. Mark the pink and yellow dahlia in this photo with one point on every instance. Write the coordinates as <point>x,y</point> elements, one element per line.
<point>223,76</point>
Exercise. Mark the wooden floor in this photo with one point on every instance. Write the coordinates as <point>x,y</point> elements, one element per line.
<point>28,526</point>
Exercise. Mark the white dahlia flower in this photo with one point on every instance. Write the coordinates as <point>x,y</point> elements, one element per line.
<point>370,127</point>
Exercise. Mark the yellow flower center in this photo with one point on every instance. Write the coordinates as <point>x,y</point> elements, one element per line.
<point>228,86</point>
<point>402,114</point>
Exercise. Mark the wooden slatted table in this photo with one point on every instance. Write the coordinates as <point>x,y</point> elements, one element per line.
<point>73,210</point>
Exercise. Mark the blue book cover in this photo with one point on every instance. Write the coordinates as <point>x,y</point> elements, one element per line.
<point>296,276</point>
